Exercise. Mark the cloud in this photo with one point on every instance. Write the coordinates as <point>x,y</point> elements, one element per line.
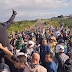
<point>36,14</point>
<point>32,8</point>
<point>35,4</point>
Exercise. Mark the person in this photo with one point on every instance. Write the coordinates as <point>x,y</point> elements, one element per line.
<point>24,49</point>
<point>13,41</point>
<point>37,47</point>
<point>21,65</point>
<point>34,65</point>
<point>44,48</point>
<point>52,44</point>
<point>3,30</point>
<point>70,51</point>
<point>56,31</point>
<point>20,61</point>
<point>52,36</point>
<point>38,37</point>
<point>30,45</point>
<point>4,67</point>
<point>51,66</point>
<point>68,65</point>
<point>29,49</point>
<point>61,41</point>
<point>60,58</point>
<point>19,45</point>
<point>31,38</point>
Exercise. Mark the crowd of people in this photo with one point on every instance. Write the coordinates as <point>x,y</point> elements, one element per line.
<point>37,50</point>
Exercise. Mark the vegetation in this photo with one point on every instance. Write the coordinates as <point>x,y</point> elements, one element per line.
<point>56,22</point>
<point>21,25</point>
<point>67,22</point>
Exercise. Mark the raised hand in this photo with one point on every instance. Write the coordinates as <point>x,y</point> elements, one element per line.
<point>14,12</point>
<point>63,24</point>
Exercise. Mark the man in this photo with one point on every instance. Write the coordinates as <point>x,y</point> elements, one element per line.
<point>52,44</point>
<point>29,49</point>
<point>51,66</point>
<point>21,65</point>
<point>4,67</point>
<point>44,48</point>
<point>61,42</point>
<point>56,31</point>
<point>19,45</point>
<point>60,58</point>
<point>3,30</point>
<point>34,66</point>
<point>20,61</point>
<point>30,45</point>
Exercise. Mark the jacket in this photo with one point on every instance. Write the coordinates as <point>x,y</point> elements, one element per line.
<point>60,60</point>
<point>3,30</point>
<point>38,68</point>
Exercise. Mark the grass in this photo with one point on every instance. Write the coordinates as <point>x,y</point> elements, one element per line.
<point>22,25</point>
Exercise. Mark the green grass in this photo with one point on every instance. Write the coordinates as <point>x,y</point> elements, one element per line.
<point>22,25</point>
<point>54,23</point>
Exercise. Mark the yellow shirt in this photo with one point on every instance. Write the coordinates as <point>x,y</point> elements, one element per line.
<point>10,39</point>
<point>53,45</point>
<point>33,39</point>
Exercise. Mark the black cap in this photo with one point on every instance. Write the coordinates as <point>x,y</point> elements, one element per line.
<point>60,41</point>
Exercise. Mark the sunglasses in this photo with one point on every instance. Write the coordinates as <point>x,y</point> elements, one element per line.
<point>29,44</point>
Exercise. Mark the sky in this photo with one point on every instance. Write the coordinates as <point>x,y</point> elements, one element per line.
<point>34,9</point>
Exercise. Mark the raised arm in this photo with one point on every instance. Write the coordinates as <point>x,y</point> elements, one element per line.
<point>6,51</point>
<point>52,28</point>
<point>61,27</point>
<point>10,21</point>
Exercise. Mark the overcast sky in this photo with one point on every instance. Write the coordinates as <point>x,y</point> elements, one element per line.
<point>33,9</point>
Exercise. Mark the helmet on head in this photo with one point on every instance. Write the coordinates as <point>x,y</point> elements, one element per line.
<point>59,48</point>
<point>31,43</point>
<point>60,41</point>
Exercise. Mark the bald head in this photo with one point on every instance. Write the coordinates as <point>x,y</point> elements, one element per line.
<point>36,55</point>
<point>35,58</point>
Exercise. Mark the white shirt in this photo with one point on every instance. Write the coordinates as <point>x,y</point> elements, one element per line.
<point>56,32</point>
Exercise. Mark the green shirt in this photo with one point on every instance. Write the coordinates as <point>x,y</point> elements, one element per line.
<point>20,47</point>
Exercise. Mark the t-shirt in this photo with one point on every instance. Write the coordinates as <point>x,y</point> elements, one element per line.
<point>43,51</point>
<point>56,32</point>
<point>51,67</point>
<point>20,47</point>
<point>53,46</point>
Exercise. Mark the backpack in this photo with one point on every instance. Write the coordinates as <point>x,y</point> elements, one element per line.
<point>62,62</point>
<point>68,65</point>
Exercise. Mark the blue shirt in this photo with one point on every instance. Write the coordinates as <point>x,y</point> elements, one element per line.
<point>51,67</point>
<point>43,51</point>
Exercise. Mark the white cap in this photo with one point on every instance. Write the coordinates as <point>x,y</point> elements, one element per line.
<point>21,53</point>
<point>59,48</point>
<point>32,43</point>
